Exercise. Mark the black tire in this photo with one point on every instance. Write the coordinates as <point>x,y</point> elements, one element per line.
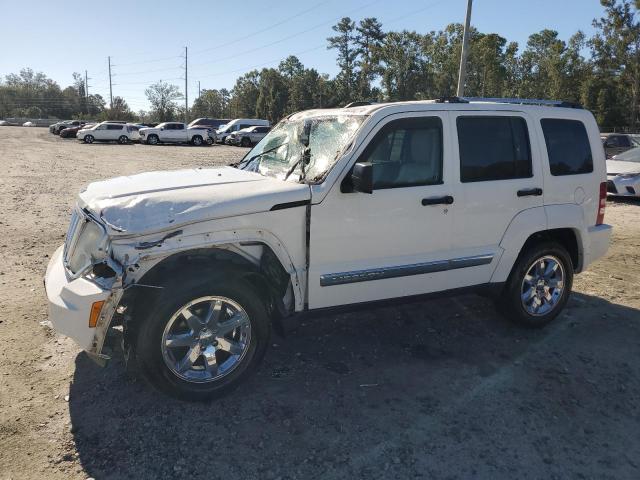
<point>88,139</point>
<point>152,140</point>
<point>511,303</point>
<point>197,140</point>
<point>148,344</point>
<point>223,140</point>
<point>245,142</point>
<point>123,140</point>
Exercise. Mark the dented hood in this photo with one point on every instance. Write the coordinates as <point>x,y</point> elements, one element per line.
<point>155,201</point>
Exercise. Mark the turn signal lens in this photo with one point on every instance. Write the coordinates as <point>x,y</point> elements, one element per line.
<point>96,308</point>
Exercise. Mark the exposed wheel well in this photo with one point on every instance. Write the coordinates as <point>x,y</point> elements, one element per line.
<point>564,236</point>
<point>269,279</point>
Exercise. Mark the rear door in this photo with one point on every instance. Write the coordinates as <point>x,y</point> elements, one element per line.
<point>499,175</point>
<point>114,131</point>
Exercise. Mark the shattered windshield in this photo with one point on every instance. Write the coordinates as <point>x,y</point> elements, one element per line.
<point>280,152</point>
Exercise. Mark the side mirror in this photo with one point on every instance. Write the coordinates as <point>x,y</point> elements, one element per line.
<point>362,177</point>
<point>305,135</point>
<point>161,128</point>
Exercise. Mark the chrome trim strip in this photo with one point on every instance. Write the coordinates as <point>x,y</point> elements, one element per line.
<point>331,279</point>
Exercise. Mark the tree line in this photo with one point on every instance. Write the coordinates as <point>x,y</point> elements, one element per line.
<point>601,72</point>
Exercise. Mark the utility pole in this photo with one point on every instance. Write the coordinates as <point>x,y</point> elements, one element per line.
<point>198,88</point>
<point>186,93</point>
<point>86,90</point>
<point>462,76</point>
<point>110,87</point>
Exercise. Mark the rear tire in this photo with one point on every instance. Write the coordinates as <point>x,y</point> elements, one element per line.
<point>123,140</point>
<point>88,139</point>
<point>171,369</point>
<point>539,285</point>
<point>196,141</point>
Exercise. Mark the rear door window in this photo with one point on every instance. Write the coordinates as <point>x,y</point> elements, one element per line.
<point>567,146</point>
<point>114,127</point>
<point>493,148</point>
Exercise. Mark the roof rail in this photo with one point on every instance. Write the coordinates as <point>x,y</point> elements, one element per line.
<point>525,101</point>
<point>451,100</point>
<point>357,104</point>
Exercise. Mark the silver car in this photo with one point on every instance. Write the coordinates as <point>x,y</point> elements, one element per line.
<point>248,137</point>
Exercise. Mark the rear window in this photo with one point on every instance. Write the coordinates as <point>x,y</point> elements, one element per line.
<point>567,146</point>
<point>493,148</point>
<point>114,127</point>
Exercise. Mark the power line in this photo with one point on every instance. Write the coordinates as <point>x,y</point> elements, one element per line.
<point>266,29</point>
<point>288,37</point>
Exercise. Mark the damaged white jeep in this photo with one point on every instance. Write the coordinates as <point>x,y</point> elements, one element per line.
<point>333,208</point>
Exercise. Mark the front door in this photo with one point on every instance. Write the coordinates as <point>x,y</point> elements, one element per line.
<point>396,241</point>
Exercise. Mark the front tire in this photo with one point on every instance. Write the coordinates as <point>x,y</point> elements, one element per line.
<point>539,285</point>
<point>196,141</point>
<point>245,142</point>
<point>152,140</point>
<point>88,139</point>
<point>202,339</point>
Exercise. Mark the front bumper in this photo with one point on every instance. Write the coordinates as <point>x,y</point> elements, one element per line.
<point>70,307</point>
<point>624,187</point>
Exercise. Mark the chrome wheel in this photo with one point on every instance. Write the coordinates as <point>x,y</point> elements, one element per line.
<point>543,285</point>
<point>152,140</point>
<point>197,141</point>
<point>206,339</point>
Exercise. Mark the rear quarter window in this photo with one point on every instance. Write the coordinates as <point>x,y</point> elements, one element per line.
<point>568,146</point>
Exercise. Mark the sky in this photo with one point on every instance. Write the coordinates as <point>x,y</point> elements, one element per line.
<point>146,39</point>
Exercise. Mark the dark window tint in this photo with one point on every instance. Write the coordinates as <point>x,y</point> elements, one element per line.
<point>262,129</point>
<point>407,153</point>
<point>618,141</point>
<point>493,148</point>
<point>114,127</point>
<point>178,126</point>
<point>568,146</point>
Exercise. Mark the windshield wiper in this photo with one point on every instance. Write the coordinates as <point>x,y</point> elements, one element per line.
<point>258,155</point>
<point>303,161</point>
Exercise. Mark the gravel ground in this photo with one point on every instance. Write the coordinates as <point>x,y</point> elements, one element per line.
<point>444,389</point>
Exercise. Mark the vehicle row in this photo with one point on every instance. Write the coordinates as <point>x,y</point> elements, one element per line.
<point>623,174</point>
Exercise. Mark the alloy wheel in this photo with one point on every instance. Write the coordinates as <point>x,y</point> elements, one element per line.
<point>542,285</point>
<point>206,339</point>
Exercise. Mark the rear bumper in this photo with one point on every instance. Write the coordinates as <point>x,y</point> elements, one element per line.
<point>598,239</point>
<point>69,305</point>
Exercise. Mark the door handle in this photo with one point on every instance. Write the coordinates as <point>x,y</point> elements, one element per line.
<point>530,192</point>
<point>446,200</point>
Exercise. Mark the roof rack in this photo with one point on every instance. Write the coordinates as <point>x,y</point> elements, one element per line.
<point>357,104</point>
<point>523,101</point>
<point>451,100</point>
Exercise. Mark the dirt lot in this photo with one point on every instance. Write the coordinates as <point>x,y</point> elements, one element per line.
<point>444,389</point>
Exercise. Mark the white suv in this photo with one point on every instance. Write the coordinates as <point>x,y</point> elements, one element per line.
<point>333,208</point>
<point>105,132</point>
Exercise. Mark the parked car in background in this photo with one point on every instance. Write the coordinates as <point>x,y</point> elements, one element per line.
<point>28,124</point>
<point>247,137</point>
<point>238,124</point>
<point>623,174</point>
<point>71,132</point>
<point>397,200</point>
<point>174,132</point>
<point>105,132</point>
<point>616,143</point>
<point>212,123</point>
<point>134,131</point>
<point>3,123</point>
<point>56,128</point>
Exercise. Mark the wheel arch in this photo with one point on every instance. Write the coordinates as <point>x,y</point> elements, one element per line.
<point>268,276</point>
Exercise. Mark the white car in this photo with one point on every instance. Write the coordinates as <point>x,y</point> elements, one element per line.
<point>174,132</point>
<point>247,137</point>
<point>623,174</point>
<point>238,124</point>
<point>333,208</point>
<point>105,132</point>
<point>28,124</point>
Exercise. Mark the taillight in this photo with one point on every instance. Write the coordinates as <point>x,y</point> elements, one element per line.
<point>602,203</point>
